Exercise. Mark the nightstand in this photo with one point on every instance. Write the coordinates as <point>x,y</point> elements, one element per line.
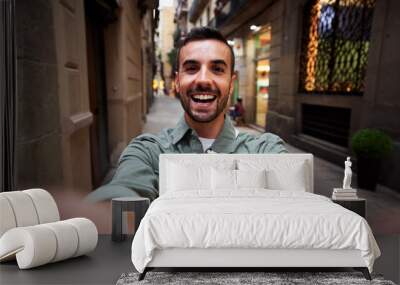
<point>358,205</point>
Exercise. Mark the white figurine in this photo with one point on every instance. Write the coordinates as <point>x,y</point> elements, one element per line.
<point>347,174</point>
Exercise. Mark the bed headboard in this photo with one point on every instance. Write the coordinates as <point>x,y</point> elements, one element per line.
<point>266,160</point>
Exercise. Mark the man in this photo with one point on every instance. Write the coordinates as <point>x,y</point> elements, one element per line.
<point>204,81</point>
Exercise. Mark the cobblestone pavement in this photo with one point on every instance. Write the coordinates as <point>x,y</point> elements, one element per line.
<point>383,205</point>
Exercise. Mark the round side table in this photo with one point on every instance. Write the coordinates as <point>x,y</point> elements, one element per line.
<point>137,205</point>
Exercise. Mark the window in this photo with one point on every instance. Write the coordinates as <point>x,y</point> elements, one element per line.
<point>335,46</point>
<point>331,124</point>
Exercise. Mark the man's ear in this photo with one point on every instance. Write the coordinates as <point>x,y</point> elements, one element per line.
<point>177,87</point>
<point>232,84</point>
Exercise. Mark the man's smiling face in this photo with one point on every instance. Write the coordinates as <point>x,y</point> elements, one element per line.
<point>204,79</point>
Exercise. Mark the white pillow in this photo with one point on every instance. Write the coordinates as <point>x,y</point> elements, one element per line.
<point>251,178</point>
<point>281,175</point>
<point>223,179</point>
<point>226,179</point>
<point>182,177</point>
<point>293,179</point>
<point>184,174</point>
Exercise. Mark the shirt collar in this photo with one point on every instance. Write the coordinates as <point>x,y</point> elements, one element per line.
<point>180,130</point>
<point>226,139</point>
<point>224,143</point>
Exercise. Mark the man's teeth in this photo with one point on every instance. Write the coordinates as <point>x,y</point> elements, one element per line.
<point>203,97</point>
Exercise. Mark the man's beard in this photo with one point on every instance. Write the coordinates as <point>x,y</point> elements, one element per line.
<point>222,101</point>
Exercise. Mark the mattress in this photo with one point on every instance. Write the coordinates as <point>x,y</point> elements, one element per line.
<point>251,219</point>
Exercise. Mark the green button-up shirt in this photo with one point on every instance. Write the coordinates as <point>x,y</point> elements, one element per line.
<point>137,173</point>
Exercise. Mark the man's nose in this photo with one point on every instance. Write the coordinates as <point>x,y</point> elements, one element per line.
<point>204,76</point>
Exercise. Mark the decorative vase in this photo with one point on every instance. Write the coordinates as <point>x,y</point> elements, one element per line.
<point>368,172</point>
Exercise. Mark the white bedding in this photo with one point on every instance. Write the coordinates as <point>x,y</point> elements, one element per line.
<point>251,218</point>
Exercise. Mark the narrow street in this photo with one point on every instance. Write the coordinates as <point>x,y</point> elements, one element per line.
<point>383,205</point>
<point>85,78</point>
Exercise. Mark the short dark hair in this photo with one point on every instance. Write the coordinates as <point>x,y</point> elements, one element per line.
<point>204,33</point>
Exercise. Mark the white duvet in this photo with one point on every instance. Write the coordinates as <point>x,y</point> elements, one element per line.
<point>252,218</point>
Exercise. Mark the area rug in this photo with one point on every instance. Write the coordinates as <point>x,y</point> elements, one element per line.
<point>243,278</point>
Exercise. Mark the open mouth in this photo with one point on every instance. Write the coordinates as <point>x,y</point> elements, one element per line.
<point>203,98</point>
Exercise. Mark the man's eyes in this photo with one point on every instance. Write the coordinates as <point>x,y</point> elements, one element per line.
<point>191,68</point>
<point>214,68</point>
<point>218,69</point>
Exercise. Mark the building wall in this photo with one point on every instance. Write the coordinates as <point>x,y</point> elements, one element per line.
<point>281,93</point>
<point>190,25</point>
<point>38,128</point>
<point>53,107</point>
<point>148,58</point>
<point>53,147</point>
<point>124,78</point>
<point>378,107</point>
<point>381,101</point>
<point>247,86</point>
<point>282,85</point>
<point>166,31</point>
<point>73,93</point>
<point>204,20</point>
<point>293,32</point>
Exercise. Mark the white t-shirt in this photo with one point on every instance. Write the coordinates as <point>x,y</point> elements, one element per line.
<point>207,143</point>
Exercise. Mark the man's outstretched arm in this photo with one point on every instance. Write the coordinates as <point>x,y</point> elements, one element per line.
<point>136,175</point>
<point>270,143</point>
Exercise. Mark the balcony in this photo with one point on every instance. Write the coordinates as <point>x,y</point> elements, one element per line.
<point>182,9</point>
<point>196,9</point>
<point>225,10</point>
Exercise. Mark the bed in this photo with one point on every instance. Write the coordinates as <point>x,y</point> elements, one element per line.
<point>247,210</point>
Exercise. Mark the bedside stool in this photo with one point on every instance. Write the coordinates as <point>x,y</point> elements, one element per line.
<point>120,206</point>
<point>357,205</point>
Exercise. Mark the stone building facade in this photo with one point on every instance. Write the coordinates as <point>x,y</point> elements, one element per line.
<point>84,86</point>
<point>166,31</point>
<point>319,122</point>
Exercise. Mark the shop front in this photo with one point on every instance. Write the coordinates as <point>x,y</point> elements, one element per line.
<point>262,63</point>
